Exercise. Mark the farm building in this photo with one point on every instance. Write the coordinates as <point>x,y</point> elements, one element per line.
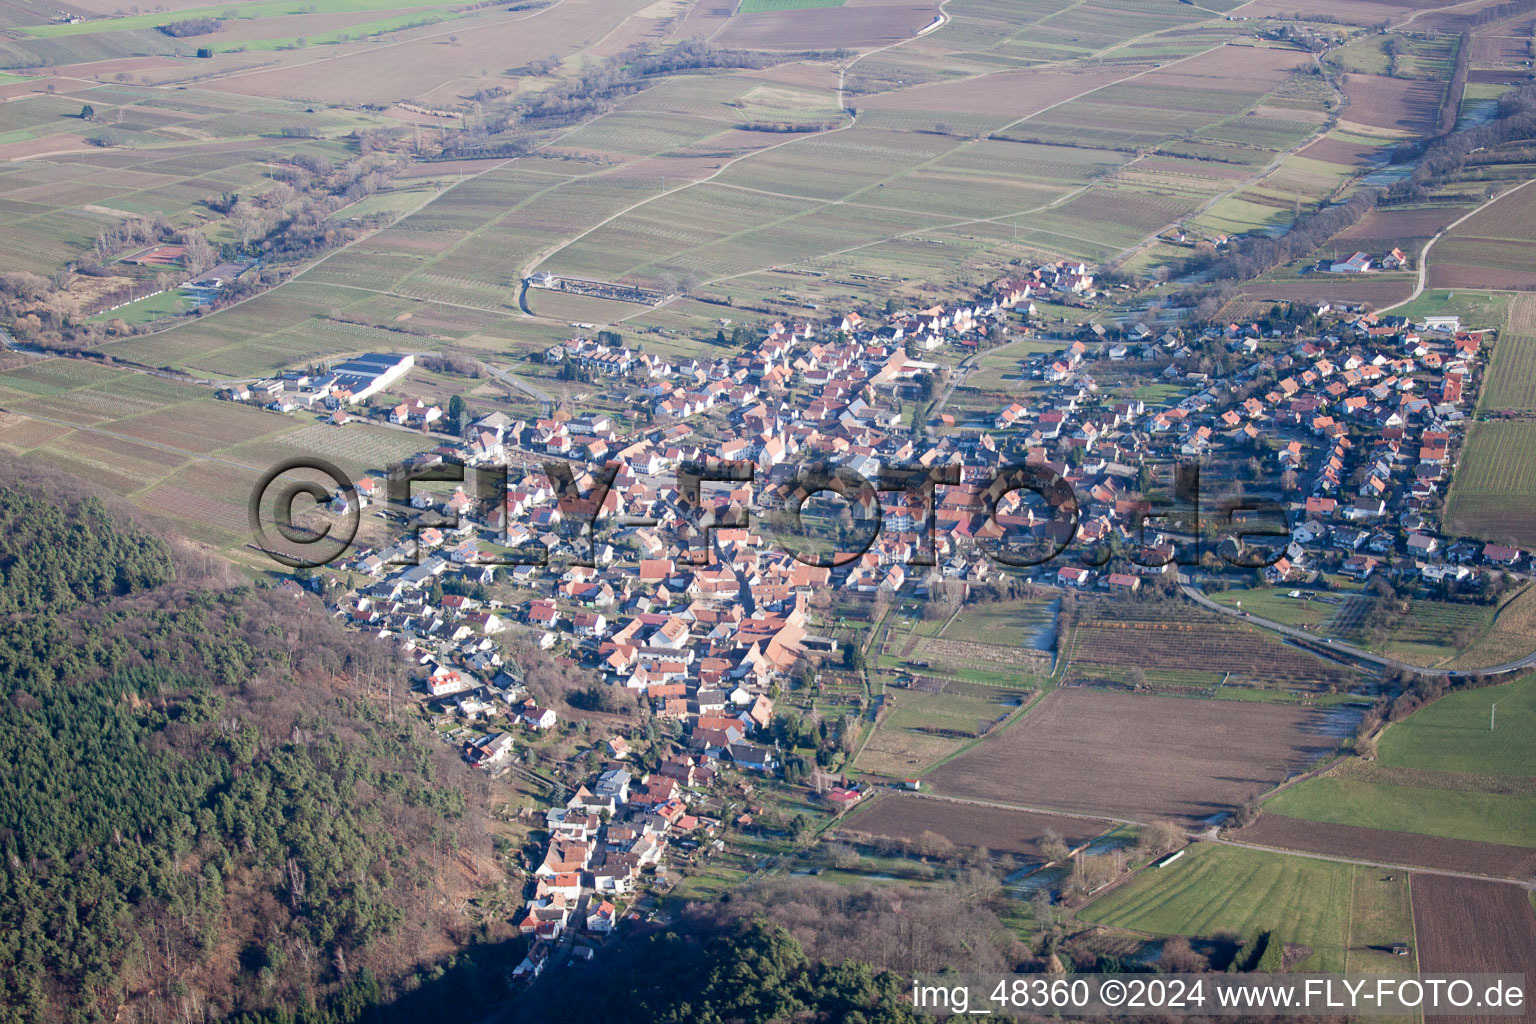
<point>365,376</point>
<point>1359,263</point>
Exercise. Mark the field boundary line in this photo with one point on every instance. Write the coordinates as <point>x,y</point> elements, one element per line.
<point>1077,815</point>
<point>1524,883</point>
<point>1349,925</point>
<point>968,745</point>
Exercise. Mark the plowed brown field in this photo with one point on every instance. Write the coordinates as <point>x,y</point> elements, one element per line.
<point>1138,757</point>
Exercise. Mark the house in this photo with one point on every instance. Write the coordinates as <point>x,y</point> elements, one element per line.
<point>488,750</point>
<point>614,783</point>
<point>601,919</point>
<point>1073,577</point>
<point>535,717</point>
<point>1123,582</point>
<point>446,682</point>
<point>748,755</point>
<point>415,411</point>
<point>543,613</point>
<point>1359,567</point>
<point>533,964</point>
<point>1498,554</point>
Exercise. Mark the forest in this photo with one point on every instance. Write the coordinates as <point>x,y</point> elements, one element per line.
<point>201,818</point>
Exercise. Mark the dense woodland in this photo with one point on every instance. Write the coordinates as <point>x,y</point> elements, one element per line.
<point>200,818</point>
<point>755,973</point>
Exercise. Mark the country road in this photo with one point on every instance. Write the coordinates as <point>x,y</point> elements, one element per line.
<point>1418,288</point>
<point>1351,651</point>
<point>514,381</point>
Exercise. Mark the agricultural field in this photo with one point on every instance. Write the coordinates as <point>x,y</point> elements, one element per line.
<point>1178,647</point>
<point>759,6</point>
<point>907,816</point>
<point>918,727</point>
<point>1489,249</point>
<point>1453,734</point>
<point>802,25</point>
<point>1406,228</point>
<point>171,448</point>
<point>1442,772</point>
<point>1510,385</point>
<point>1331,917</point>
<point>1354,794</point>
<point>1465,925</point>
<point>1495,484</point>
<point>911,189</point>
<point>1407,848</point>
<point>1431,633</point>
<point>1392,104</point>
<point>1125,756</point>
<point>1376,290</point>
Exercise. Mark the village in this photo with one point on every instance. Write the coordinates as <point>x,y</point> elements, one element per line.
<point>696,621</point>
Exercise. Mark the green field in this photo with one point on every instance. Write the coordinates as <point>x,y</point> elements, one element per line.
<point>1275,605</point>
<point>1512,376</point>
<point>1335,909</point>
<point>1451,813</point>
<point>1495,485</point>
<point>144,311</point>
<point>1441,772</point>
<point>1008,623</point>
<point>1452,734</point>
<point>1476,308</point>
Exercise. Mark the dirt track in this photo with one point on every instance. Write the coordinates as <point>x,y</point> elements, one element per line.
<point>1370,844</point>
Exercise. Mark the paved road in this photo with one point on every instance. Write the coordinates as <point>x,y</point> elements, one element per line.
<point>512,380</point>
<point>961,371</point>
<point>1418,288</point>
<point>10,344</point>
<point>1351,651</point>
